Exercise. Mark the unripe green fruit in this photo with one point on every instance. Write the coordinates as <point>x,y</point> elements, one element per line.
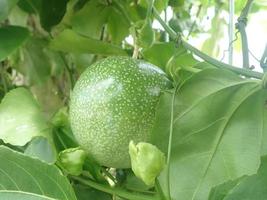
<point>112,103</point>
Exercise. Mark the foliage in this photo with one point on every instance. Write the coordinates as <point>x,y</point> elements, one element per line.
<point>211,126</point>
<point>21,174</point>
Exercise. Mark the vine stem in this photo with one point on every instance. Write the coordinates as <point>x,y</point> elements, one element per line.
<point>263,61</point>
<point>241,26</point>
<point>114,191</point>
<point>208,59</point>
<point>166,36</point>
<point>231,30</point>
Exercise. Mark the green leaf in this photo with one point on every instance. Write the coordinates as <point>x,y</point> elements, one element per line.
<point>159,4</point>
<point>18,17</point>
<point>11,37</point>
<point>176,3</point>
<point>246,188</point>
<point>5,8</point>
<point>94,169</point>
<point>41,148</point>
<point>14,195</point>
<point>117,26</point>
<point>49,96</point>
<point>21,118</point>
<point>159,53</point>
<point>30,6</point>
<point>33,62</point>
<point>221,191</point>
<point>179,64</point>
<point>252,187</point>
<point>134,183</point>
<point>24,174</point>
<point>82,61</point>
<point>264,137</point>
<point>72,160</point>
<point>69,41</point>
<point>87,193</point>
<point>217,131</point>
<point>146,34</point>
<point>85,21</point>
<point>135,12</point>
<point>51,12</point>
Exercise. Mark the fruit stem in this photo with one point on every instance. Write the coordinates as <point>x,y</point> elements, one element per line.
<point>114,191</point>
<point>136,47</point>
<point>208,59</point>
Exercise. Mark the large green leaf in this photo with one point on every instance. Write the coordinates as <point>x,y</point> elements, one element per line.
<point>11,37</point>
<point>264,137</point>
<point>69,41</point>
<point>217,132</point>
<point>5,7</point>
<point>21,118</point>
<point>24,174</point>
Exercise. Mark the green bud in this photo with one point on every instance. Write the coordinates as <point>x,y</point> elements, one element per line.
<point>61,118</point>
<point>147,161</point>
<point>72,160</point>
